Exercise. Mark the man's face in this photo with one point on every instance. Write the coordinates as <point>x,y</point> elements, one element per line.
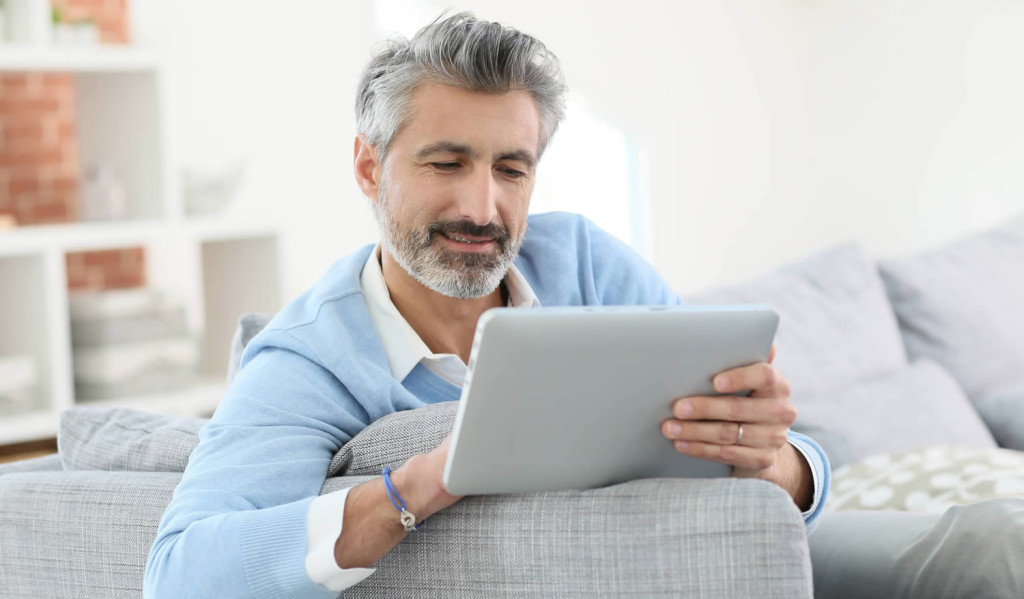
<point>456,185</point>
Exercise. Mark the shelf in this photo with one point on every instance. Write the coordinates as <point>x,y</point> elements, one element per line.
<point>200,400</point>
<point>25,57</point>
<point>113,234</point>
<point>79,236</point>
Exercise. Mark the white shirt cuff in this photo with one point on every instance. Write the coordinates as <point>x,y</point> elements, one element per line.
<point>323,527</point>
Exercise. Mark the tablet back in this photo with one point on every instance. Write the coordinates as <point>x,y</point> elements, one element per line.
<point>572,398</point>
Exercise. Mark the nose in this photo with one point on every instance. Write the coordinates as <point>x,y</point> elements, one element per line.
<point>478,201</point>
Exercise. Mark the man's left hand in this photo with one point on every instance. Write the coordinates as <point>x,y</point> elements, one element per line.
<point>748,433</point>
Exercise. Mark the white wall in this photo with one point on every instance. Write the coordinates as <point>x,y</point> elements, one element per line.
<point>772,129</point>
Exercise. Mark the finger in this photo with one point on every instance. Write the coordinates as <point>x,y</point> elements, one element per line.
<point>762,378</point>
<point>731,408</point>
<point>725,433</point>
<point>738,456</point>
<point>771,358</point>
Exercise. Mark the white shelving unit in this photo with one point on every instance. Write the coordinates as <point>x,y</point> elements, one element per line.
<point>217,269</point>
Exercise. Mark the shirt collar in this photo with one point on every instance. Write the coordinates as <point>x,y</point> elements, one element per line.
<point>402,345</point>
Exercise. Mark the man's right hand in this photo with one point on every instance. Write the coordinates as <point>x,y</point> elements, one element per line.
<point>422,477</point>
<point>371,526</point>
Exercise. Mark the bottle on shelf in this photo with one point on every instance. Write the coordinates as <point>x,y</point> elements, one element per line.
<point>102,196</point>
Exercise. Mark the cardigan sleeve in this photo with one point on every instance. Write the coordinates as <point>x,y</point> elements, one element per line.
<point>236,526</point>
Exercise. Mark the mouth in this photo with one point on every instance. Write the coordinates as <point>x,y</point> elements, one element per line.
<point>467,239</point>
<point>464,242</point>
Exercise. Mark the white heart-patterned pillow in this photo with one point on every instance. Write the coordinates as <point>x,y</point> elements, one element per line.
<point>928,480</point>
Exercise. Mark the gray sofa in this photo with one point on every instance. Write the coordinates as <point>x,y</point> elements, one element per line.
<point>897,356</point>
<point>81,524</point>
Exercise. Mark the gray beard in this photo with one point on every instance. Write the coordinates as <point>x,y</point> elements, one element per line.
<point>453,274</point>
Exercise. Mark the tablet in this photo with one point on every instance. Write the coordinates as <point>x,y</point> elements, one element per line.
<point>574,398</point>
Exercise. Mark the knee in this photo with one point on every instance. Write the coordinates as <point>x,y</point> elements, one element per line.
<point>973,550</point>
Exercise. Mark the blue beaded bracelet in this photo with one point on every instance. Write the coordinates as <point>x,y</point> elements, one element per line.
<point>406,517</point>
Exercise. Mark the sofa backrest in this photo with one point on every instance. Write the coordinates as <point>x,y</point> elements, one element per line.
<point>836,325</point>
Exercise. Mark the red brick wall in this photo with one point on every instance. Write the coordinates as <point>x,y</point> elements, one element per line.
<point>38,154</point>
<point>110,16</point>
<point>106,269</point>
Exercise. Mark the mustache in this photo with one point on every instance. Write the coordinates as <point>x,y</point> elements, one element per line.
<point>462,227</point>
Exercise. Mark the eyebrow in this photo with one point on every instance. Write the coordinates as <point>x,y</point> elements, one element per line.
<point>520,155</point>
<point>457,148</point>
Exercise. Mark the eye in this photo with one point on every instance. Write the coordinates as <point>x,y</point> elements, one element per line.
<point>445,166</point>
<point>511,172</point>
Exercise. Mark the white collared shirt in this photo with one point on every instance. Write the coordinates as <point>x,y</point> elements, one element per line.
<point>404,349</point>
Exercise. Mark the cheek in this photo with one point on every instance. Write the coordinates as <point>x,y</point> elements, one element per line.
<point>516,210</point>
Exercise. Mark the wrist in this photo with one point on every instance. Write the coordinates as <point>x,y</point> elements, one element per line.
<point>795,476</point>
<point>413,481</point>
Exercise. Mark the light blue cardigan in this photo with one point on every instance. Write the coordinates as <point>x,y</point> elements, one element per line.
<point>315,377</point>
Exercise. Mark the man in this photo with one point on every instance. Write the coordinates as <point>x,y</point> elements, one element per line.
<point>452,125</point>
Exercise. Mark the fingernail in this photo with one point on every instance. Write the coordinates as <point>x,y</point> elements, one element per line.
<point>683,409</point>
<point>674,429</point>
<point>722,383</point>
<point>681,445</point>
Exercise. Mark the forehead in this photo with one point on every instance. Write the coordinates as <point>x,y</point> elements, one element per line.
<point>485,122</point>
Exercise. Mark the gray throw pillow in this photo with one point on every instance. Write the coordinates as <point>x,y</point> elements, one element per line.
<point>1003,412</point>
<point>249,325</point>
<point>918,406</point>
<point>960,305</point>
<point>836,326</point>
<point>394,439</point>
<point>123,439</point>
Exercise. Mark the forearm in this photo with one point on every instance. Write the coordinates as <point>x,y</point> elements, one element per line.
<point>371,526</point>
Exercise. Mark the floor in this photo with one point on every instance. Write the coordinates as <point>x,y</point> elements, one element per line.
<point>25,451</point>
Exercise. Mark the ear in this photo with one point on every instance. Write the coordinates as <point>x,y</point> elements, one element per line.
<point>367,167</point>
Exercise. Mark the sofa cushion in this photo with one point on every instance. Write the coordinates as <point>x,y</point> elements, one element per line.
<point>836,326</point>
<point>91,438</point>
<point>1003,412</point>
<point>918,406</point>
<point>961,305</point>
<point>928,480</point>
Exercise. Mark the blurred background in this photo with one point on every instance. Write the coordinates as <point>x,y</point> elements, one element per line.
<point>167,166</point>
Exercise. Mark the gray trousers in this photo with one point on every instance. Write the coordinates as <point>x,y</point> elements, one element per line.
<point>972,551</point>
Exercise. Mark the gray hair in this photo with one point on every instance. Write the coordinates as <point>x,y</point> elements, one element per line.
<point>464,52</point>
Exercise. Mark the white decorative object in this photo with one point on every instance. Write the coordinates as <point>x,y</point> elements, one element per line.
<point>77,33</point>
<point>103,196</point>
<point>208,190</point>
<point>27,22</point>
<point>86,33</point>
<point>63,34</point>
<point>17,384</point>
<point>130,342</point>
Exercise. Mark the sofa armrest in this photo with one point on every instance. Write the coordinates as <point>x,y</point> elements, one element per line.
<point>659,537</point>
<point>79,533</point>
<point>88,533</point>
